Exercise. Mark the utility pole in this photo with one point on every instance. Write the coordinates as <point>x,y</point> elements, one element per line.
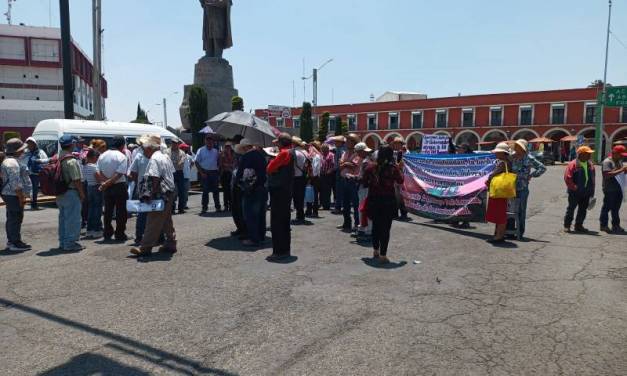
<point>97,71</point>
<point>165,114</point>
<point>68,81</point>
<point>598,134</point>
<point>315,98</point>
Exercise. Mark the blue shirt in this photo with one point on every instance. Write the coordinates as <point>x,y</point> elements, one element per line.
<point>523,169</point>
<point>207,159</point>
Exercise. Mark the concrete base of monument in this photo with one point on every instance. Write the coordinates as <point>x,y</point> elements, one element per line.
<point>215,75</point>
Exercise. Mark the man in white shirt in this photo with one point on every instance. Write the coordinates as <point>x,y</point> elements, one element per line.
<point>137,172</point>
<point>159,181</point>
<point>207,164</point>
<point>300,179</point>
<point>112,167</point>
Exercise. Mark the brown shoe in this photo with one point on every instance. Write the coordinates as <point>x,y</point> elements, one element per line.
<point>138,252</point>
<point>383,259</point>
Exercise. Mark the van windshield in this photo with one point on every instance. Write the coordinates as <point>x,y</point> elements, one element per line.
<point>50,147</point>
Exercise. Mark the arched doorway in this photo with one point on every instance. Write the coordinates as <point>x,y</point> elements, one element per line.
<point>495,136</point>
<point>526,134</point>
<point>468,137</point>
<point>560,150</point>
<point>372,140</point>
<point>620,136</point>
<point>414,142</point>
<point>588,137</point>
<point>390,137</point>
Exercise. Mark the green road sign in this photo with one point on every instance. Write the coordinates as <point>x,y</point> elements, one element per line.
<point>616,96</point>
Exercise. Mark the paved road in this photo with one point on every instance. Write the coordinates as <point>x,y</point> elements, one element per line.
<point>552,306</point>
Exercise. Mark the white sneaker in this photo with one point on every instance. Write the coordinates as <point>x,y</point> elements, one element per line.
<point>14,248</point>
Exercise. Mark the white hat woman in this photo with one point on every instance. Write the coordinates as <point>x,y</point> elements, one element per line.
<point>497,207</point>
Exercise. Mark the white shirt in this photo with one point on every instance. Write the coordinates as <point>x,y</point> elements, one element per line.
<point>207,159</point>
<point>299,166</point>
<point>160,166</point>
<point>112,162</point>
<point>187,166</point>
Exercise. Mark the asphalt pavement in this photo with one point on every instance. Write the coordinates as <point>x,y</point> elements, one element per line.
<point>449,304</point>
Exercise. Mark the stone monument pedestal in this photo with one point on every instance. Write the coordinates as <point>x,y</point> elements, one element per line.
<point>215,75</point>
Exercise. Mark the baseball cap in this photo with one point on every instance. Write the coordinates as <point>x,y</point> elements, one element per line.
<point>362,147</point>
<point>620,149</point>
<point>585,150</point>
<point>66,140</point>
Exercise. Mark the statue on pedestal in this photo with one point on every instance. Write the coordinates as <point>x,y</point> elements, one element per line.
<point>216,34</point>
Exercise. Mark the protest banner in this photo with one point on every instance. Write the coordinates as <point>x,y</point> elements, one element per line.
<point>447,187</point>
<point>435,144</point>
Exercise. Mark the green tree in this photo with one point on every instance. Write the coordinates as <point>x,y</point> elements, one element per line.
<point>141,117</point>
<point>237,104</point>
<point>198,113</point>
<point>306,123</point>
<point>344,128</point>
<point>324,127</point>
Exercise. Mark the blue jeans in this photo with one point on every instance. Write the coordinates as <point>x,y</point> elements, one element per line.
<point>94,216</point>
<point>34,179</point>
<point>254,208</point>
<point>69,205</point>
<point>523,196</point>
<point>350,198</point>
<point>210,184</point>
<point>612,201</point>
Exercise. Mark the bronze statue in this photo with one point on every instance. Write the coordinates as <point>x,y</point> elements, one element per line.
<point>216,34</point>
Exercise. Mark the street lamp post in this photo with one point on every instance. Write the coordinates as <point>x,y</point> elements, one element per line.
<point>165,109</point>
<point>598,134</point>
<point>314,103</point>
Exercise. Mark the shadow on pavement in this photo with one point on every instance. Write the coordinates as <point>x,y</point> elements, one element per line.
<point>93,364</point>
<point>377,265</point>
<point>155,256</point>
<point>305,222</point>
<point>232,244</point>
<point>282,260</point>
<point>6,252</point>
<point>173,363</point>
<point>454,230</point>
<point>214,214</point>
<point>55,252</point>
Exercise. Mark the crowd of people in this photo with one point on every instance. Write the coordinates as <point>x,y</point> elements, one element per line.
<point>341,175</point>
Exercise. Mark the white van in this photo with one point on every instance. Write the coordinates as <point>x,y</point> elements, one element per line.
<point>48,132</point>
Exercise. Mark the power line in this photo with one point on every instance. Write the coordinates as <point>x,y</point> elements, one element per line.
<point>618,40</point>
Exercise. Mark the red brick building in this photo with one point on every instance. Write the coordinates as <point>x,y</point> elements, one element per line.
<point>475,119</point>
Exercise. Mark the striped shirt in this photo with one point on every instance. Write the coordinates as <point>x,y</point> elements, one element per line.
<point>89,173</point>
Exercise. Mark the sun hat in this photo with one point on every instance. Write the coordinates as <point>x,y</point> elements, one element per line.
<point>585,150</point>
<point>502,147</point>
<point>362,147</point>
<point>14,145</point>
<point>151,141</point>
<point>272,151</point>
<point>297,140</point>
<point>246,142</point>
<point>399,139</point>
<point>30,139</point>
<point>523,144</point>
<point>353,137</point>
<point>67,140</point>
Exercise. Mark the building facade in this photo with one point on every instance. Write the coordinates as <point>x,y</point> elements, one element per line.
<point>31,78</point>
<point>476,119</point>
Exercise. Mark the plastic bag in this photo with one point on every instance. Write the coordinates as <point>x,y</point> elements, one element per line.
<point>136,206</point>
<point>503,185</point>
<point>309,194</point>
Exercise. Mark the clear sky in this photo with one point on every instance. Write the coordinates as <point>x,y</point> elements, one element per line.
<point>436,47</point>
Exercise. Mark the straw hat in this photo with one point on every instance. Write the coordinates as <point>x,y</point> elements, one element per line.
<point>523,144</point>
<point>399,139</point>
<point>14,145</point>
<point>152,141</point>
<point>353,137</point>
<point>297,140</point>
<point>502,147</point>
<point>341,139</point>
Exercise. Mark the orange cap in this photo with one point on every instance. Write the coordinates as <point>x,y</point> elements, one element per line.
<point>585,149</point>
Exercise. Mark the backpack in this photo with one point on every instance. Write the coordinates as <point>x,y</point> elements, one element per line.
<point>51,177</point>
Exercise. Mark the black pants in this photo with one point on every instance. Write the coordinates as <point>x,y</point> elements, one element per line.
<point>579,202</point>
<point>327,184</point>
<point>382,210</point>
<point>299,197</point>
<point>280,221</point>
<point>237,212</point>
<point>15,217</point>
<point>225,182</point>
<point>115,198</point>
<point>612,201</point>
<point>312,207</point>
<point>179,183</point>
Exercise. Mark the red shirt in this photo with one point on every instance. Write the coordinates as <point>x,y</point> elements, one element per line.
<point>383,184</point>
<point>283,159</point>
